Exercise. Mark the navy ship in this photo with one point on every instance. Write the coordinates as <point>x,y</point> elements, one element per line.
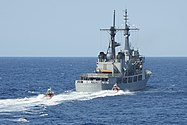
<point>123,70</point>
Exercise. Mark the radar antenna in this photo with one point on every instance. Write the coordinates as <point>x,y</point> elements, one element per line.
<point>112,33</point>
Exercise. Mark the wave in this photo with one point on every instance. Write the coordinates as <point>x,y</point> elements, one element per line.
<point>21,120</point>
<point>22,104</point>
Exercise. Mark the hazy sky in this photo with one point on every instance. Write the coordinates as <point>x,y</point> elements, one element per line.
<point>71,27</point>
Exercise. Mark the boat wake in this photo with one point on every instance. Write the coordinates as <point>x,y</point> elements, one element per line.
<point>22,104</point>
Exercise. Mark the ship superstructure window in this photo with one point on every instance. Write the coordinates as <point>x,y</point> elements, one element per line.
<point>139,77</point>
<point>129,79</point>
<point>135,78</point>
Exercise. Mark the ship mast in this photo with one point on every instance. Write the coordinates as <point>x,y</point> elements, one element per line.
<point>112,34</point>
<point>126,31</point>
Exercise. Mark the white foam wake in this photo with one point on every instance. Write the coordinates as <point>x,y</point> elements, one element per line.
<point>13,105</point>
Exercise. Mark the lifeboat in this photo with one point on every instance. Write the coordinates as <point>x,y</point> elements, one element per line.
<point>115,88</point>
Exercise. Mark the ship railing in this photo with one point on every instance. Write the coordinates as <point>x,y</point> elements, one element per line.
<point>95,75</point>
<point>101,75</point>
<point>91,81</point>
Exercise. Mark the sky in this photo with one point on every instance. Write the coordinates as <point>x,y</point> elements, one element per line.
<point>71,28</point>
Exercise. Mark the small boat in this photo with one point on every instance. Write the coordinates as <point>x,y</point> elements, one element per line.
<point>115,88</point>
<point>49,93</point>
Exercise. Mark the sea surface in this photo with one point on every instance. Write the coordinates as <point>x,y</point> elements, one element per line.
<point>24,81</point>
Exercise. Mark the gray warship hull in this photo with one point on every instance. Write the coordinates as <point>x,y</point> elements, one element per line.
<point>93,86</point>
<point>123,70</point>
<point>98,82</point>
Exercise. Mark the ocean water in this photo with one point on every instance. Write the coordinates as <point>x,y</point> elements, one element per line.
<point>23,82</point>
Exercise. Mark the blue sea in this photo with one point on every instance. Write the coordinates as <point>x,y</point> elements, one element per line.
<point>24,81</point>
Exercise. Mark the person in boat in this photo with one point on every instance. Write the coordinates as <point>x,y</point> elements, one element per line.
<point>115,88</point>
<point>49,93</point>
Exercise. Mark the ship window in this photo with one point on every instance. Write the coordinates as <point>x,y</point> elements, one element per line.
<point>129,79</point>
<point>139,77</point>
<point>135,78</point>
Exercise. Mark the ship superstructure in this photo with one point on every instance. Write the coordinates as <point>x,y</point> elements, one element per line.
<point>124,69</point>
